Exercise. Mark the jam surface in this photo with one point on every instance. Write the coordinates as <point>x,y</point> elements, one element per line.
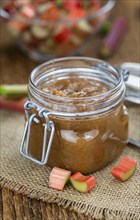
<point>75,87</point>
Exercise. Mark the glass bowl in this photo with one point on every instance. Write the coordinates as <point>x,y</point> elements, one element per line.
<point>57,31</point>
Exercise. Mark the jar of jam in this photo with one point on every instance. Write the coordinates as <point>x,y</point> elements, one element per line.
<point>75,116</point>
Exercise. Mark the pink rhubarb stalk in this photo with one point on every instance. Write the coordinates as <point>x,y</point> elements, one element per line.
<point>82,183</point>
<point>113,38</point>
<point>125,169</point>
<point>58,178</point>
<point>12,105</point>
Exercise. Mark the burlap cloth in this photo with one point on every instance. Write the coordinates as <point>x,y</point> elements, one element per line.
<point>110,198</point>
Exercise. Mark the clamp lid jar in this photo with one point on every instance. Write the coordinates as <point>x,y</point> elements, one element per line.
<point>75,116</point>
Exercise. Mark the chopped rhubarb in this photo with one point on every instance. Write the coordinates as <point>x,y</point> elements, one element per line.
<point>58,178</point>
<point>82,183</point>
<point>16,27</point>
<point>28,11</point>
<point>36,22</point>
<point>12,105</point>
<point>21,3</point>
<point>84,26</point>
<point>10,7</point>
<point>96,4</point>
<point>41,8</point>
<point>39,32</point>
<point>71,4</point>
<point>37,3</point>
<point>61,34</point>
<point>51,13</point>
<point>77,13</point>
<point>59,3</point>
<point>76,40</point>
<point>125,169</point>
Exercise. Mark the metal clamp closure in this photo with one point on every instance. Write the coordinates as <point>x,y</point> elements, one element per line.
<point>48,127</point>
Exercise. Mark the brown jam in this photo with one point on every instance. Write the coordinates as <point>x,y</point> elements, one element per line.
<point>86,143</point>
<point>75,88</point>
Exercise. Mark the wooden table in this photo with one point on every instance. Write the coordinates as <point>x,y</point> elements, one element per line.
<point>15,68</point>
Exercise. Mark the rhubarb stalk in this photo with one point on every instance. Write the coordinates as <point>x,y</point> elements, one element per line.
<point>125,169</point>
<point>58,178</point>
<point>12,105</point>
<point>113,38</point>
<point>15,91</point>
<point>82,183</point>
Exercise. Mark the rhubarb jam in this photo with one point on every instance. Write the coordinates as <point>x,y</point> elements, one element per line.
<point>75,87</point>
<point>86,107</point>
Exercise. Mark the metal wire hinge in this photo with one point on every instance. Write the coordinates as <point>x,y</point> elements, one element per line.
<point>48,127</point>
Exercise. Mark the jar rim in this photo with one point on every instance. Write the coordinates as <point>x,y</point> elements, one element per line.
<point>96,104</point>
<point>72,58</point>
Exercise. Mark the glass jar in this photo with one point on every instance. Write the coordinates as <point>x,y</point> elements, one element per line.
<point>79,134</point>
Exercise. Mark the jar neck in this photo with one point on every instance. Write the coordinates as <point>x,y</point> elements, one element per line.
<point>80,67</point>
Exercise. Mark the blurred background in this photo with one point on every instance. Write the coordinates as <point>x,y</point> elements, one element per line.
<point>74,30</point>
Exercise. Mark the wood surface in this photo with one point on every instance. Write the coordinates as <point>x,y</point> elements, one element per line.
<point>16,67</point>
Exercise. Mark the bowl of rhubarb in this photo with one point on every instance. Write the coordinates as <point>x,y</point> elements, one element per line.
<point>45,29</point>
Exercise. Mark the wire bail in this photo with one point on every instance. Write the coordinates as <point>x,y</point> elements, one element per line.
<point>48,127</point>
